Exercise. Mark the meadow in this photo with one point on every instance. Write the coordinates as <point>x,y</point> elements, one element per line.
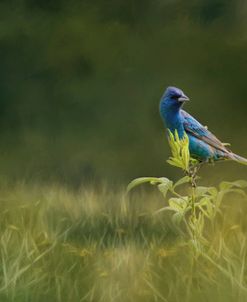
<point>80,84</point>
<point>99,244</point>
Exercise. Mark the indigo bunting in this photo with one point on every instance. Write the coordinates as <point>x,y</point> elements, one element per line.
<point>203,145</point>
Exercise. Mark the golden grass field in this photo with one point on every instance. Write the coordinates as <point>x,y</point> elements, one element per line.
<point>103,246</point>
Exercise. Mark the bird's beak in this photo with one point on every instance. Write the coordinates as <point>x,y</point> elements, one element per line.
<point>183,98</point>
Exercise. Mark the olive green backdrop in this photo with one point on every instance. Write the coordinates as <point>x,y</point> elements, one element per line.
<point>80,83</point>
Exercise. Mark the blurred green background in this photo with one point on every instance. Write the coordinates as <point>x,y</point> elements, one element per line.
<point>80,84</point>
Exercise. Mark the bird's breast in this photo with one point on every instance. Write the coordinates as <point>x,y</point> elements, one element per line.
<point>174,122</point>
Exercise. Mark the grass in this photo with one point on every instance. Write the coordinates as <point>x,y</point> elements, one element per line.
<point>100,245</point>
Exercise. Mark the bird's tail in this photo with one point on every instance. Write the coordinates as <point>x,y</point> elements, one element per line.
<point>238,158</point>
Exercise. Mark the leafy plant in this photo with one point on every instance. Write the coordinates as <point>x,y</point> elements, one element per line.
<point>190,212</point>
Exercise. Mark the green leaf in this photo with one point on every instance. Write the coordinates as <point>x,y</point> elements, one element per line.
<point>182,181</point>
<point>176,136</point>
<point>200,191</point>
<point>212,191</point>
<point>240,183</point>
<point>163,182</point>
<point>175,162</point>
<point>219,198</point>
<point>204,201</point>
<point>178,204</point>
<point>193,161</point>
<point>164,209</point>
<point>164,188</point>
<point>210,209</point>
<point>225,185</point>
<point>180,150</point>
<point>142,180</point>
<point>185,157</point>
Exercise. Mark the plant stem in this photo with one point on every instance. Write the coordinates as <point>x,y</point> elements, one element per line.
<point>192,174</point>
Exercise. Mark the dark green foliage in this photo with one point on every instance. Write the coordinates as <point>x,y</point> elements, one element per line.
<point>80,82</point>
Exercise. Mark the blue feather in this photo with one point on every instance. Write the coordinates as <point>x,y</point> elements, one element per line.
<point>203,144</point>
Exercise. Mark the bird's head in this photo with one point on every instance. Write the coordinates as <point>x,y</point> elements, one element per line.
<point>174,95</point>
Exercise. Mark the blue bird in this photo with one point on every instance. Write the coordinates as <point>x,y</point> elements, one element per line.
<point>203,145</point>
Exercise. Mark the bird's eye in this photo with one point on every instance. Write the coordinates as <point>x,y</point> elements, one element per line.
<point>175,97</point>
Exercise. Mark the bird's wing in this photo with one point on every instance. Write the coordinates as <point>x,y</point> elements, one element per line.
<point>193,127</point>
